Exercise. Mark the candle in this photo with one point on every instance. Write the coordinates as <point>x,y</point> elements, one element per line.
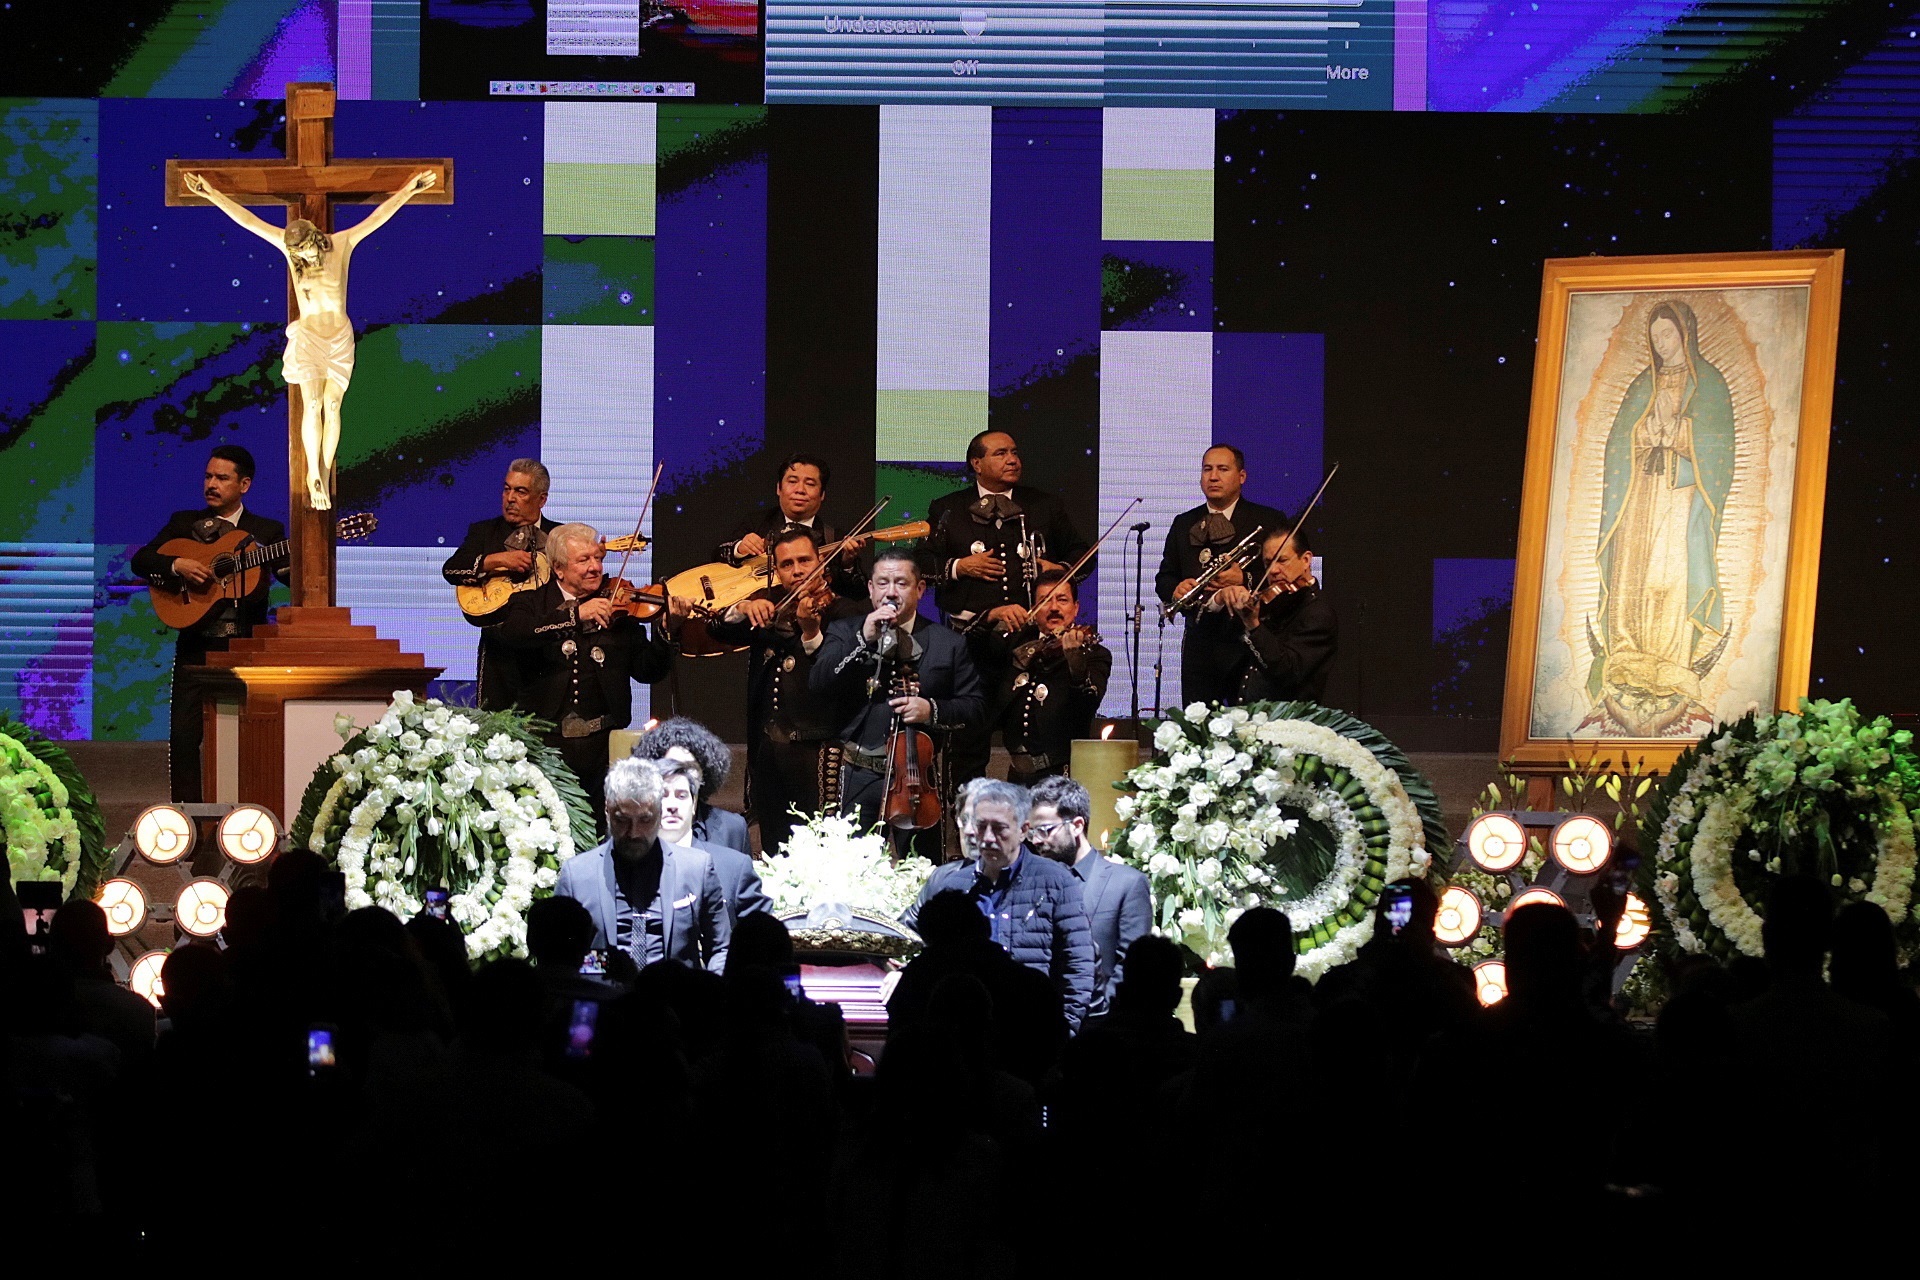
<point>1096,764</point>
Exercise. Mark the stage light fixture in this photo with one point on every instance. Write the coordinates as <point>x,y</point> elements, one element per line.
<point>1636,923</point>
<point>1533,895</point>
<point>1582,844</point>
<point>249,834</point>
<point>1458,918</point>
<point>163,834</point>
<point>201,909</point>
<point>1490,982</point>
<point>125,906</point>
<point>145,979</point>
<point>1496,842</point>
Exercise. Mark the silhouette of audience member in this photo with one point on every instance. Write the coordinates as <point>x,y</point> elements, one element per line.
<point>1865,968</point>
<point>1801,1047</point>
<point>1115,1069</point>
<point>79,940</point>
<point>1252,1069</point>
<point>1414,990</point>
<point>761,941</point>
<point>559,936</point>
<point>1029,1028</point>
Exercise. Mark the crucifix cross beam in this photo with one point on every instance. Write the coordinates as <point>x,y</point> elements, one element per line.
<point>309,182</point>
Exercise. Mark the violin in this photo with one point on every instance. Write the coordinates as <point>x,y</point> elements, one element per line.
<point>1045,650</point>
<point>911,801</point>
<point>631,601</point>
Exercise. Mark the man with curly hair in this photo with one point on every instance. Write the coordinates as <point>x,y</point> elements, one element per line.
<point>679,738</point>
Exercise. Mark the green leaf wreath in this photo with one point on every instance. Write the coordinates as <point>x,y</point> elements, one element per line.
<point>1290,805</point>
<point>50,823</point>
<point>1822,791</point>
<point>433,795</point>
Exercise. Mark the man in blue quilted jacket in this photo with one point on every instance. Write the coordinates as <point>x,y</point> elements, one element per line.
<point>1033,904</point>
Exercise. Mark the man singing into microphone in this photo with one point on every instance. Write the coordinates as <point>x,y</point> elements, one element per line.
<point>891,662</point>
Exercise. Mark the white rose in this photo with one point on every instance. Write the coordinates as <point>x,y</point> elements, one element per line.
<point>1196,712</point>
<point>1168,736</point>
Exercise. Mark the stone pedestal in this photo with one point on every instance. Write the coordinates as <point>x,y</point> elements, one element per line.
<point>273,696</point>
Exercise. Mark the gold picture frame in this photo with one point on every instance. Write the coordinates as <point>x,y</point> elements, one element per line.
<point>1670,517</point>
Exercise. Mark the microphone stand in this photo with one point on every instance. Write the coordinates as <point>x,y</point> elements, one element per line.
<point>1133,654</point>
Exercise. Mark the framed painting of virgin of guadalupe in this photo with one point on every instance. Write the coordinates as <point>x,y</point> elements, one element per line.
<point>1670,519</point>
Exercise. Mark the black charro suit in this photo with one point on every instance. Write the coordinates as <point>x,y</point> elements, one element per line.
<point>841,670</point>
<point>496,670</point>
<point>787,721</point>
<point>1289,655</point>
<point>1210,646</point>
<point>1040,708</point>
<point>578,678</point>
<point>845,574</point>
<point>958,526</point>
<point>225,621</point>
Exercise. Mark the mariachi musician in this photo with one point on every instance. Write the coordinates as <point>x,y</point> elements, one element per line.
<point>505,544</point>
<point>799,494</point>
<point>224,485</point>
<point>1055,673</point>
<point>1288,630</point>
<point>888,670</point>
<point>582,646</point>
<point>1210,647</point>
<point>784,627</point>
<point>990,544</point>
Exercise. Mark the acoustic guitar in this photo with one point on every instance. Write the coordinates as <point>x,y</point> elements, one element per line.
<point>493,594</point>
<point>236,568</point>
<point>718,587</point>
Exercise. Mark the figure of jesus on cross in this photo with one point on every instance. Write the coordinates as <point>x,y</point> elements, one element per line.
<point>319,356</point>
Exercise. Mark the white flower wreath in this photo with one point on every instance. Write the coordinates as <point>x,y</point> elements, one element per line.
<point>1209,825</point>
<point>38,829</point>
<point>500,824</point>
<point>1782,779</point>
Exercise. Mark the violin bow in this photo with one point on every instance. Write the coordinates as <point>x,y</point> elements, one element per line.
<point>1262,584</point>
<point>1085,556</point>
<point>645,503</point>
<point>826,561</point>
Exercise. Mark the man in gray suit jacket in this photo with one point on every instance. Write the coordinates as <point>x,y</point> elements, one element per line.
<point>651,899</point>
<point>1119,908</point>
<point>679,808</point>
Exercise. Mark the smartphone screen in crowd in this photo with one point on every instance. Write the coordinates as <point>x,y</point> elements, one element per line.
<point>580,1028</point>
<point>320,1055</point>
<point>437,903</point>
<point>1398,900</point>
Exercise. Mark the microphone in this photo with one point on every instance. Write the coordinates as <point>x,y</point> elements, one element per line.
<point>1142,527</point>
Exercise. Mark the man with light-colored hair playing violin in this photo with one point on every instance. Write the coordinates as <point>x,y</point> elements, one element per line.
<point>584,642</point>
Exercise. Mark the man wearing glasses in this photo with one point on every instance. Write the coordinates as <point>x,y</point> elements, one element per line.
<point>1119,906</point>
<point>505,545</point>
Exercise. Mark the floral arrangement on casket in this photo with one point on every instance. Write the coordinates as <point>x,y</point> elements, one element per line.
<point>1821,791</point>
<point>437,796</point>
<point>828,872</point>
<point>50,823</point>
<point>1287,805</point>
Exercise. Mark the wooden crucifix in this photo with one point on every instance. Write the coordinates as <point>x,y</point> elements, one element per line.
<point>319,356</point>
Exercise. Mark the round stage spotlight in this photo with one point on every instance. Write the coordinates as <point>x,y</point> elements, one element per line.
<point>1533,895</point>
<point>145,978</point>
<point>201,909</point>
<point>1458,918</point>
<point>249,834</point>
<point>1490,981</point>
<point>1636,922</point>
<point>1496,842</point>
<point>1582,844</point>
<point>124,904</point>
<point>163,834</point>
